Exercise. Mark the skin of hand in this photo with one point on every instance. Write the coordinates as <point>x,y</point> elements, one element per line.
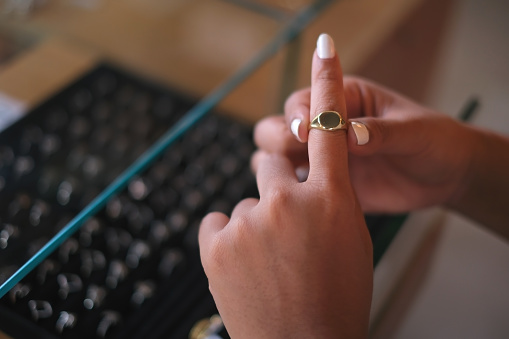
<point>297,263</point>
<point>415,157</point>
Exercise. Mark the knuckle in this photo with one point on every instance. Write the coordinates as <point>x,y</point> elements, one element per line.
<point>278,197</point>
<point>328,74</point>
<point>216,256</point>
<point>208,219</point>
<point>333,202</point>
<point>225,247</point>
<point>241,227</point>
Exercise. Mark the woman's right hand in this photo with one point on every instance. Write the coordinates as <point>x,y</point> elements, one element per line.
<point>408,157</point>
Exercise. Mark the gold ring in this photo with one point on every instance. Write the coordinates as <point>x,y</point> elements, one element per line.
<point>328,121</point>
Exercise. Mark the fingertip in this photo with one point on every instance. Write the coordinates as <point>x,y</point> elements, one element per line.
<point>360,138</point>
<point>255,160</point>
<point>361,133</point>
<point>369,136</point>
<point>325,46</point>
<point>209,226</point>
<point>302,173</point>
<point>273,135</point>
<point>294,127</point>
<point>213,221</point>
<point>299,130</point>
<point>262,129</point>
<point>297,113</point>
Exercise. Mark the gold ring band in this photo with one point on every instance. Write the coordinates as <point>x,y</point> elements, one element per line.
<point>328,121</point>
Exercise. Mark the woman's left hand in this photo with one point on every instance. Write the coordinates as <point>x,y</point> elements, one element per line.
<point>298,262</point>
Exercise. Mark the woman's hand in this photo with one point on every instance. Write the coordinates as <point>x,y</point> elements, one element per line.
<point>402,156</point>
<point>298,262</point>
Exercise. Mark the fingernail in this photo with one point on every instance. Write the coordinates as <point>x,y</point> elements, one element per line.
<point>361,132</point>
<point>302,173</point>
<point>325,46</point>
<point>295,128</point>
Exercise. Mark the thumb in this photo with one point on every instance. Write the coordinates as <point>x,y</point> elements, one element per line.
<point>381,135</point>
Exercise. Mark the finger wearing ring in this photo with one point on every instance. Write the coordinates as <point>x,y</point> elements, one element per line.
<point>328,121</point>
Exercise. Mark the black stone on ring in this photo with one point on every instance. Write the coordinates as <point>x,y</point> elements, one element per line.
<point>328,121</point>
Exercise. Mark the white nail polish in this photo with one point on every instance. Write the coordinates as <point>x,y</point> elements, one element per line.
<point>302,173</point>
<point>295,128</point>
<point>325,46</point>
<point>361,132</point>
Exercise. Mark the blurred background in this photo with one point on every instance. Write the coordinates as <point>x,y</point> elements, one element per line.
<point>463,292</point>
<point>452,283</point>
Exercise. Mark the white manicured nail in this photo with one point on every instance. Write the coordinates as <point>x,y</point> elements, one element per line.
<point>325,47</point>
<point>361,132</point>
<point>295,128</point>
<point>302,173</point>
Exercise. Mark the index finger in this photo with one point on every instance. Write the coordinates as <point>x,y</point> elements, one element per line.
<point>328,155</point>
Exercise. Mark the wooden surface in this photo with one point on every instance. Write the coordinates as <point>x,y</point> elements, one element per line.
<point>407,61</point>
<point>37,73</point>
<point>190,45</point>
<point>150,39</point>
<point>359,29</point>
